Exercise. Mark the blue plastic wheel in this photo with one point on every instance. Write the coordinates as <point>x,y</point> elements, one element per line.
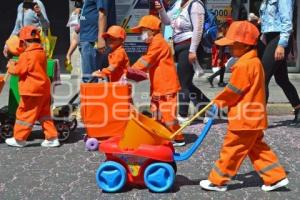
<point>111,176</point>
<point>159,177</point>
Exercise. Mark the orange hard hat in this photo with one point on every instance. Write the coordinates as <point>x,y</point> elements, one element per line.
<point>13,45</point>
<point>240,31</point>
<point>115,32</point>
<point>149,21</point>
<point>29,33</point>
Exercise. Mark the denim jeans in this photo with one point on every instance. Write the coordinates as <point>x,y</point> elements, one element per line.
<point>91,60</point>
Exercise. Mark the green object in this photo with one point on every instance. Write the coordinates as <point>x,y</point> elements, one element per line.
<point>14,96</point>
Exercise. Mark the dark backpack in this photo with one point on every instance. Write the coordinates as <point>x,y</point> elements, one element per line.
<point>210,27</point>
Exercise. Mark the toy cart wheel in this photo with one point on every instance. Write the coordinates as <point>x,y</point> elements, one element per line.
<point>111,176</point>
<point>63,130</point>
<point>73,125</point>
<point>174,165</point>
<point>7,131</point>
<point>159,177</point>
<point>92,144</point>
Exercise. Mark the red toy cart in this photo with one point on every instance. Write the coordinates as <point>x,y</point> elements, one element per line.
<point>144,155</point>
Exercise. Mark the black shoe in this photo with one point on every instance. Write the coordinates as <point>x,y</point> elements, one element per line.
<point>211,81</point>
<point>222,84</point>
<point>296,121</point>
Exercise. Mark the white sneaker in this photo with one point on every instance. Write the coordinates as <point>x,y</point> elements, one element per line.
<point>207,185</point>
<point>282,183</point>
<point>50,143</point>
<point>14,143</point>
<point>182,120</point>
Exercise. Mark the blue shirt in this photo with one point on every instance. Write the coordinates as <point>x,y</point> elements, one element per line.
<point>277,16</point>
<point>89,18</point>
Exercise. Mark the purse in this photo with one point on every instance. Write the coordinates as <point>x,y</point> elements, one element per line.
<point>49,42</point>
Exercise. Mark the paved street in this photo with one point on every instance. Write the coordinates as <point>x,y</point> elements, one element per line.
<point>68,172</point>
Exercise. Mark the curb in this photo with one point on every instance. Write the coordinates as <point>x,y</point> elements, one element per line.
<point>280,109</point>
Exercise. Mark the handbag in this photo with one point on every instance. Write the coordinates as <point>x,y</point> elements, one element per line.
<point>49,42</point>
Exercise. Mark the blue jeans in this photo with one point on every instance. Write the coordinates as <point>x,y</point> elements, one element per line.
<point>91,60</point>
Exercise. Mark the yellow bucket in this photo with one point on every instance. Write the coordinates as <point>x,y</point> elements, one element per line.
<point>143,130</point>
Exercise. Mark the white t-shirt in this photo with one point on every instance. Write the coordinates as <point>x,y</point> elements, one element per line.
<point>185,25</point>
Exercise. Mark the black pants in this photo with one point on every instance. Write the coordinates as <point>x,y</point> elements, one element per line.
<point>220,72</point>
<point>189,92</point>
<point>277,68</point>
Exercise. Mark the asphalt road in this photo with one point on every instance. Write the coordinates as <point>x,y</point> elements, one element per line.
<point>68,172</point>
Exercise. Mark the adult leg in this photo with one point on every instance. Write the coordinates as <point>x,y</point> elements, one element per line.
<point>89,60</point>
<point>185,74</point>
<point>269,63</point>
<point>211,77</point>
<point>282,79</point>
<point>222,73</point>
<point>199,99</point>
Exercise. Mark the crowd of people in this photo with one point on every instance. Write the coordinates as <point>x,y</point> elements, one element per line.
<point>171,76</point>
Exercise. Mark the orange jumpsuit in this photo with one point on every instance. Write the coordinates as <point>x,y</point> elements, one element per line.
<point>164,83</point>
<point>34,88</point>
<point>245,97</point>
<point>118,64</point>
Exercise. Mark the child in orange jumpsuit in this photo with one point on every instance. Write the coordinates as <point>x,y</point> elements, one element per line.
<point>247,118</point>
<point>34,88</point>
<point>118,59</point>
<point>164,83</point>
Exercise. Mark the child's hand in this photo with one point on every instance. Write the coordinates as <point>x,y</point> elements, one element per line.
<point>96,73</point>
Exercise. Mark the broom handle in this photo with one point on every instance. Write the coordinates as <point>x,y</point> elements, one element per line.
<point>6,76</point>
<point>192,119</point>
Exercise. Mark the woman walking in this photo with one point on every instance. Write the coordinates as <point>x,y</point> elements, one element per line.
<point>187,27</point>
<point>277,27</point>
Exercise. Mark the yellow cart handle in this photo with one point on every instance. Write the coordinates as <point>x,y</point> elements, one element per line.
<point>192,119</point>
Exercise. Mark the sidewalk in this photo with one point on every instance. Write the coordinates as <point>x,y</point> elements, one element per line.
<point>278,103</point>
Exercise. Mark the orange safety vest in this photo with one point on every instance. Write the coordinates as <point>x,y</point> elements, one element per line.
<point>31,69</point>
<point>245,95</point>
<point>159,61</point>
